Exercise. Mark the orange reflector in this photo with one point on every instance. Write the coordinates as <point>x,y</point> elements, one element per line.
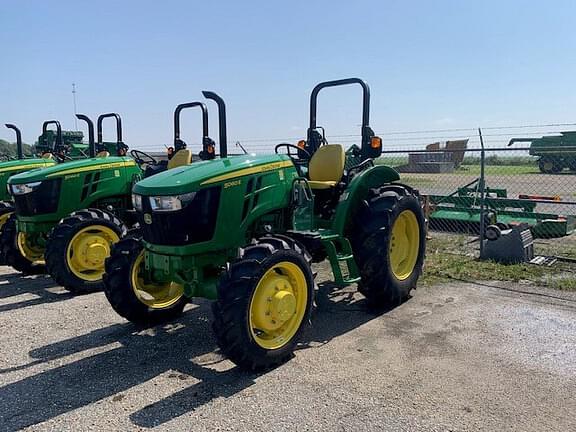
<point>302,144</point>
<point>210,149</point>
<point>376,142</point>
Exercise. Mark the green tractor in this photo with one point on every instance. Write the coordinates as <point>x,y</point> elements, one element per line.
<point>53,147</point>
<point>68,216</point>
<point>245,230</point>
<point>555,152</point>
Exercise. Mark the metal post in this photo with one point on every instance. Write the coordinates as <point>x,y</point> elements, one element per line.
<point>482,185</point>
<point>75,109</point>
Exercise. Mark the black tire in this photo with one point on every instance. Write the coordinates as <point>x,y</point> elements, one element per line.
<point>237,286</point>
<point>119,291</point>
<point>550,165</point>
<point>370,237</point>
<point>11,253</point>
<point>6,209</point>
<point>59,239</point>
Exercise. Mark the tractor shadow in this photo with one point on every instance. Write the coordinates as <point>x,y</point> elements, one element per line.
<point>139,355</point>
<point>15,284</point>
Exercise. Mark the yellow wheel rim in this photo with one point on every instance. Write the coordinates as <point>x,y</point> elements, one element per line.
<point>278,305</point>
<point>88,250</point>
<point>404,245</point>
<point>3,218</point>
<point>155,296</point>
<point>32,252</point>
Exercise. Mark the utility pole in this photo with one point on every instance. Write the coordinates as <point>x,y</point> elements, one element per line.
<point>75,110</point>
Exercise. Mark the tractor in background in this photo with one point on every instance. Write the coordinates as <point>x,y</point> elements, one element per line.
<point>244,231</point>
<point>52,147</point>
<point>67,217</point>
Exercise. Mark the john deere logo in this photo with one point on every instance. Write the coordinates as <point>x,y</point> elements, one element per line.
<point>147,218</point>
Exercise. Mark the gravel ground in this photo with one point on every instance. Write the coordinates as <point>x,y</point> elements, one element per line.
<point>455,357</point>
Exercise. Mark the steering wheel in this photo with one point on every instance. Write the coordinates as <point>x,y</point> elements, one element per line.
<point>63,157</point>
<point>142,158</point>
<point>292,156</point>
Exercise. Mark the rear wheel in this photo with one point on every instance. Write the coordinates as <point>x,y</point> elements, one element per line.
<point>131,295</point>
<point>389,242</point>
<point>550,165</point>
<point>22,251</point>
<point>264,302</point>
<point>6,210</point>
<point>78,246</point>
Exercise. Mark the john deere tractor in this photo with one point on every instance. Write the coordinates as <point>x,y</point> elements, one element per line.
<point>245,230</point>
<point>68,216</point>
<point>53,146</point>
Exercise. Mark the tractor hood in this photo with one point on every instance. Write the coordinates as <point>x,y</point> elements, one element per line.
<point>71,168</point>
<point>193,177</point>
<point>20,164</point>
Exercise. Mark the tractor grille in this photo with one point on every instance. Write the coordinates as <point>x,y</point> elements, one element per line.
<point>42,200</point>
<point>195,223</point>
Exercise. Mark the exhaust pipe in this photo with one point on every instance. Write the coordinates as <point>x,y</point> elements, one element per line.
<point>91,143</point>
<point>222,138</point>
<point>19,149</point>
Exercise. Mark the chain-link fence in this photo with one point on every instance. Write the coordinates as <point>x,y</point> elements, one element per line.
<point>488,181</point>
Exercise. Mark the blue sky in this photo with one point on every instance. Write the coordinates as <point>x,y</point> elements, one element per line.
<point>430,64</point>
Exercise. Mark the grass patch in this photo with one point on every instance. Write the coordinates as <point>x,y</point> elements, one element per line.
<point>443,265</point>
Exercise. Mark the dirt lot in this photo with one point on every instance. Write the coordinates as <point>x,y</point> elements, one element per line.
<point>455,357</point>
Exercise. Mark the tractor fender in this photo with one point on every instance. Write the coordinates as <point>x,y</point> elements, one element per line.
<point>357,190</point>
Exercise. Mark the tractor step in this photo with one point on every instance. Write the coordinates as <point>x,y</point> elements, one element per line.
<point>341,258</point>
<point>344,257</point>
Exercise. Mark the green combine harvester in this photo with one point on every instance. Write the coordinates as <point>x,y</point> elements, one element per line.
<point>68,216</point>
<point>245,230</point>
<point>555,153</point>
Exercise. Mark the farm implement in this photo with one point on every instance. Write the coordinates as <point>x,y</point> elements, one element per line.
<point>244,231</point>
<point>461,211</point>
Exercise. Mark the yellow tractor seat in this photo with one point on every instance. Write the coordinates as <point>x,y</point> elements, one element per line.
<point>326,167</point>
<point>180,158</point>
<point>47,156</point>
<point>103,154</point>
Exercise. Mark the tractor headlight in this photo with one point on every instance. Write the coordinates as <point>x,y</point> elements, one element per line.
<point>171,203</point>
<point>25,188</point>
<point>137,202</point>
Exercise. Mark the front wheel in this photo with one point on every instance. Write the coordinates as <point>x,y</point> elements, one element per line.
<point>131,295</point>
<point>78,246</point>
<point>389,242</point>
<point>264,301</point>
<point>6,210</point>
<point>22,251</point>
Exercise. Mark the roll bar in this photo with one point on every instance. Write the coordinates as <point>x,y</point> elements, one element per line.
<point>101,117</point>
<point>91,143</point>
<point>222,134</point>
<point>119,142</point>
<point>206,141</point>
<point>19,149</point>
<point>59,144</point>
<point>313,141</point>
